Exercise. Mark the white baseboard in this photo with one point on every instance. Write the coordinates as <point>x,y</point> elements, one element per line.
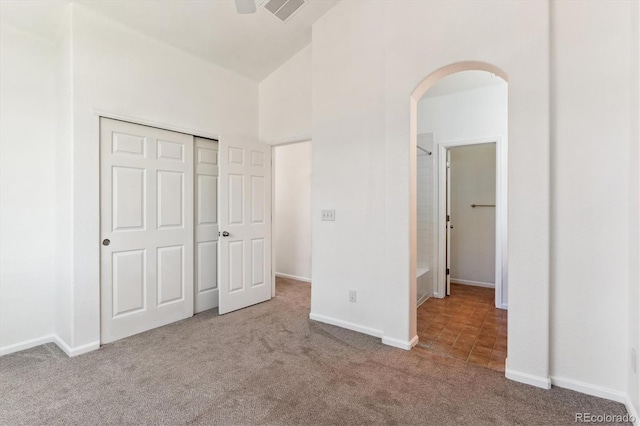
<point>423,299</point>
<point>293,277</point>
<point>401,344</point>
<point>51,338</point>
<point>345,324</point>
<point>589,389</point>
<point>574,385</point>
<point>79,350</point>
<point>600,392</point>
<point>526,378</point>
<point>631,409</point>
<point>28,344</point>
<point>473,283</point>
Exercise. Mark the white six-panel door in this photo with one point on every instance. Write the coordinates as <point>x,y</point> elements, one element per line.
<point>245,223</point>
<point>206,224</point>
<point>146,228</point>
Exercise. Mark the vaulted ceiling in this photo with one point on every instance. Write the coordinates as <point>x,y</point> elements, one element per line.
<point>252,45</point>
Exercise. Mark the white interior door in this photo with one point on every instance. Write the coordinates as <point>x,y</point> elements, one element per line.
<point>206,224</point>
<point>449,226</point>
<point>244,269</point>
<point>146,197</point>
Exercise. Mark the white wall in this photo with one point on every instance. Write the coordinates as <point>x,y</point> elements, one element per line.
<point>50,207</point>
<point>367,59</point>
<point>358,97</point>
<point>285,101</point>
<point>119,70</point>
<point>292,233</point>
<point>348,163</point>
<point>27,187</point>
<point>592,74</point>
<point>473,237</point>
<point>64,183</point>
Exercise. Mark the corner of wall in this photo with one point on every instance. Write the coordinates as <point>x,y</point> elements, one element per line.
<point>74,351</point>
<point>526,378</point>
<point>633,386</point>
<point>63,312</point>
<point>284,101</point>
<point>400,344</point>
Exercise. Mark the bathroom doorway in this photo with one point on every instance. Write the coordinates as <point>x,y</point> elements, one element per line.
<point>292,215</point>
<point>461,161</point>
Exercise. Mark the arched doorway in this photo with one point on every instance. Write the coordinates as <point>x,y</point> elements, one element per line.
<point>461,109</point>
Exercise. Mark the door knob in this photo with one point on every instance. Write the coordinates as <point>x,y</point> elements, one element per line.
<point>225,234</point>
<point>106,242</point>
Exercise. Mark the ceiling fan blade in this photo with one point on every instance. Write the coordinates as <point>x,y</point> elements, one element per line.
<point>245,7</point>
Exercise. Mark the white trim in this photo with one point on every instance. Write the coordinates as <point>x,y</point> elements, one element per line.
<point>414,341</point>
<point>473,283</point>
<point>631,409</point>
<point>293,277</point>
<point>77,350</point>
<point>51,338</point>
<point>401,344</point>
<point>526,378</point>
<point>156,124</point>
<point>440,151</point>
<point>274,222</point>
<point>290,140</point>
<point>345,324</point>
<point>27,344</point>
<point>589,389</point>
<point>423,299</point>
<point>502,217</point>
<point>600,392</point>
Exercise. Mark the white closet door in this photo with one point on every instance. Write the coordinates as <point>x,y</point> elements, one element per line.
<point>206,223</point>
<point>146,228</point>
<point>245,222</point>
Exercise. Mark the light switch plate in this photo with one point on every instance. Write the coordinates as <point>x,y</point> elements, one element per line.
<point>329,215</point>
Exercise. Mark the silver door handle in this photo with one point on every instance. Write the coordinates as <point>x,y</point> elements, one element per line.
<point>225,234</point>
<point>106,242</point>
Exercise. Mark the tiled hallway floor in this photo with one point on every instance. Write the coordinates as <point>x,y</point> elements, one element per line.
<point>465,325</point>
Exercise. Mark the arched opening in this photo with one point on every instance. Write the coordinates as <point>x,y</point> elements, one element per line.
<point>458,219</point>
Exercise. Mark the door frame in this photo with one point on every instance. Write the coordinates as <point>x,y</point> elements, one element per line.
<point>274,221</point>
<point>441,149</point>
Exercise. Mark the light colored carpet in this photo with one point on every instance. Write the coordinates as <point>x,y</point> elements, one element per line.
<point>269,364</point>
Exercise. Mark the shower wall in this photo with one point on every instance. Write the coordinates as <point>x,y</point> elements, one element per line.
<point>425,218</point>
